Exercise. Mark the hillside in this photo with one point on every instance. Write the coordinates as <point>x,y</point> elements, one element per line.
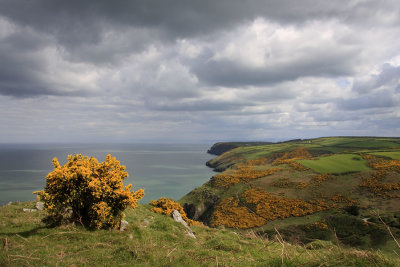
<point>156,240</point>
<point>222,147</point>
<point>326,188</point>
<point>319,202</point>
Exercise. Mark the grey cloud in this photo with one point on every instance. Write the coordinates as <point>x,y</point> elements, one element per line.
<point>24,74</point>
<point>191,106</point>
<point>76,22</point>
<point>228,73</point>
<point>389,77</point>
<point>113,51</point>
<point>389,123</point>
<point>378,100</point>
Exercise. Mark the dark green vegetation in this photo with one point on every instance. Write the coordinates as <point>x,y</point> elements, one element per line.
<point>220,148</point>
<point>156,240</point>
<point>357,177</point>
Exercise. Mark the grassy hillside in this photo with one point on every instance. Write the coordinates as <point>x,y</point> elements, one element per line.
<point>339,163</point>
<point>326,188</point>
<point>156,240</point>
<point>319,202</point>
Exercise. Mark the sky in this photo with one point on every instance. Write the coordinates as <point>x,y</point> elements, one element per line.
<point>198,71</point>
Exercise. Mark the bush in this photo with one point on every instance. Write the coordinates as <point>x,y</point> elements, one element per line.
<point>353,210</point>
<point>90,192</point>
<point>166,206</point>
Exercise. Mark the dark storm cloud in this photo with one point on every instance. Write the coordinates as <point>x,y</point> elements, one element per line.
<point>228,73</point>
<point>79,23</point>
<point>108,32</point>
<point>179,17</point>
<point>22,71</point>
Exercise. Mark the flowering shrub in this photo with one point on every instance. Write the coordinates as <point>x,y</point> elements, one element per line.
<point>339,198</point>
<point>375,183</point>
<point>320,178</point>
<point>321,225</point>
<point>282,183</point>
<point>256,207</point>
<point>291,157</point>
<point>243,173</point>
<point>301,185</point>
<point>93,191</point>
<point>229,213</point>
<point>166,206</point>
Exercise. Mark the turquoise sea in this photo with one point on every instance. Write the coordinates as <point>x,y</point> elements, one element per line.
<point>162,170</point>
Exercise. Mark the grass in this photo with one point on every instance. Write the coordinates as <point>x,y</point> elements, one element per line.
<point>390,154</point>
<point>162,242</point>
<point>375,143</point>
<point>339,163</point>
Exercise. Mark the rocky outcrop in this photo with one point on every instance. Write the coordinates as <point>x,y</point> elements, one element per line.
<point>202,209</point>
<point>123,225</point>
<point>39,205</point>
<point>220,148</point>
<point>178,218</point>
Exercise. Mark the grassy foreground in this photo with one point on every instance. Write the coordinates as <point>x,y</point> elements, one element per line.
<point>156,240</point>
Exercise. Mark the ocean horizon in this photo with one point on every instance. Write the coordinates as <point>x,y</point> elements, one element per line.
<point>162,170</point>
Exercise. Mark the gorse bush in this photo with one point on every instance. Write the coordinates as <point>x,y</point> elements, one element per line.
<point>86,191</point>
<point>166,206</point>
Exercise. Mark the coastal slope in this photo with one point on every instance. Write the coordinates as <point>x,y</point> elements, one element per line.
<point>307,188</point>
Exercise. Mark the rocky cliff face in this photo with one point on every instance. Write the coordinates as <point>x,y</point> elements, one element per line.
<point>202,208</point>
<point>220,148</point>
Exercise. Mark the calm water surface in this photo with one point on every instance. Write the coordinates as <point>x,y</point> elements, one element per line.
<point>161,170</point>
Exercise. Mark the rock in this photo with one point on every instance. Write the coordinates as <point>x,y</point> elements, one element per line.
<point>123,225</point>
<point>9,203</point>
<point>39,205</point>
<point>67,215</point>
<point>190,234</point>
<point>145,223</point>
<point>178,218</point>
<point>365,219</point>
<point>29,210</point>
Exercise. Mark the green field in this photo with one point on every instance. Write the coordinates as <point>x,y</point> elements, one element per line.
<point>340,163</point>
<point>392,154</point>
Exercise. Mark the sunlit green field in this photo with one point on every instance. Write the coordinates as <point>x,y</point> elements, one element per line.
<point>392,155</point>
<point>340,163</point>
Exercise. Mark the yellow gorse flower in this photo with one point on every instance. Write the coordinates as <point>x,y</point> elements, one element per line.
<point>94,191</point>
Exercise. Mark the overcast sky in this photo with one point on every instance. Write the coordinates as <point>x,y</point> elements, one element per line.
<point>198,71</point>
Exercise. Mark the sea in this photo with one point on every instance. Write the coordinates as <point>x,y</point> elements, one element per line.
<point>162,170</point>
